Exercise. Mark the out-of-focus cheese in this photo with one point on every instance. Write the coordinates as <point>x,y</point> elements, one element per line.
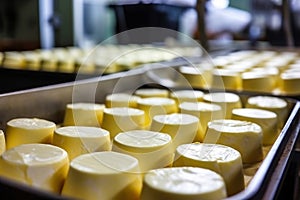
<point>187,183</point>
<point>181,96</point>
<point>224,160</point>
<point>83,114</point>
<point>77,140</point>
<point>226,79</point>
<point>289,83</point>
<point>257,82</point>
<point>151,92</point>
<point>103,175</point>
<point>266,119</point>
<point>121,100</point>
<point>197,77</point>
<point>246,137</point>
<point>42,166</point>
<point>152,149</point>
<point>2,142</point>
<point>28,130</point>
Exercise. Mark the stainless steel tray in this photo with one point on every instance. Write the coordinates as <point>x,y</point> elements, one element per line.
<point>49,103</point>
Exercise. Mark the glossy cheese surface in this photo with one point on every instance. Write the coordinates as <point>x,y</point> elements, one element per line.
<point>28,130</point>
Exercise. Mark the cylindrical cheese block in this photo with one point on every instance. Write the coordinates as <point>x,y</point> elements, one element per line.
<point>266,119</point>
<point>226,100</point>
<point>83,114</point>
<point>181,127</point>
<point>196,77</point>
<point>205,112</point>
<point>28,130</point>
<point>188,183</point>
<point>121,100</point>
<point>42,166</point>
<point>103,175</point>
<point>226,79</point>
<point>181,96</point>
<point>152,149</point>
<point>77,140</point>
<point>121,119</point>
<point>224,160</point>
<point>257,82</point>
<point>289,83</point>
<point>156,106</point>
<point>151,92</point>
<point>2,142</point>
<point>246,137</point>
<point>274,104</point>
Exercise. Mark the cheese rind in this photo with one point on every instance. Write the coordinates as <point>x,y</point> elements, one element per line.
<point>83,114</point>
<point>246,137</point>
<point>152,149</point>
<point>222,159</point>
<point>103,175</point>
<point>77,140</point>
<point>28,130</point>
<point>121,100</point>
<point>183,183</point>
<point>42,166</point>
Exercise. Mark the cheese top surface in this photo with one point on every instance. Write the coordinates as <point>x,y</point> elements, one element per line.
<point>254,75</point>
<point>176,119</point>
<point>194,94</point>
<point>151,92</point>
<point>123,111</point>
<point>121,97</point>
<point>184,180</point>
<point>221,97</point>
<point>234,126</point>
<point>290,76</point>
<point>267,102</point>
<point>81,131</point>
<point>31,123</point>
<point>156,101</point>
<point>35,154</point>
<point>144,140</point>
<point>85,106</point>
<point>106,162</point>
<point>254,113</point>
<point>191,70</point>
<point>199,106</point>
<point>208,152</point>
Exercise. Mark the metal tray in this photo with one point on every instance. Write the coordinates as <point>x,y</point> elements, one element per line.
<point>49,103</point>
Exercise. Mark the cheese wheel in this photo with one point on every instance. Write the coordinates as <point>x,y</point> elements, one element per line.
<point>152,149</point>
<point>224,160</point>
<point>226,79</point>
<point>205,112</point>
<point>156,106</point>
<point>181,96</point>
<point>2,142</point>
<point>266,119</point>
<point>151,92</point>
<point>274,104</point>
<point>196,76</point>
<point>246,137</point>
<point>181,127</point>
<point>28,130</point>
<point>103,175</point>
<point>77,140</point>
<point>83,114</point>
<point>121,100</point>
<point>253,81</point>
<point>228,101</point>
<point>289,83</point>
<point>189,183</point>
<point>42,166</point>
<point>121,119</point>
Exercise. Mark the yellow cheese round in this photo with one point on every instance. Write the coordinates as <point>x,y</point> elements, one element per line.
<point>121,100</point>
<point>226,79</point>
<point>181,127</point>
<point>28,130</point>
<point>257,82</point>
<point>188,183</point>
<point>224,160</point>
<point>77,140</point>
<point>205,112</point>
<point>83,114</point>
<point>274,104</point>
<point>103,175</point>
<point>121,119</point>
<point>289,83</point>
<point>42,166</point>
<point>196,77</point>
<point>228,101</point>
<point>152,149</point>
<point>156,106</point>
<point>2,142</point>
<point>181,96</point>
<point>246,137</point>
<point>151,92</point>
<point>267,120</point>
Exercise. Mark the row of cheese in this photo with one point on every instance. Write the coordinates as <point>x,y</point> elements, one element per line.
<point>100,59</point>
<point>159,130</point>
